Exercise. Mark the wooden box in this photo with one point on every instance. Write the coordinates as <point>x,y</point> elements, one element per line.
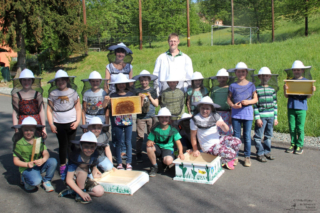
<point>126,105</point>
<point>122,181</point>
<point>299,87</point>
<point>202,169</point>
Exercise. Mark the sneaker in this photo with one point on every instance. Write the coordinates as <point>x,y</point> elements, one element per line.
<point>120,167</point>
<point>236,160</point>
<point>128,167</point>
<point>299,151</point>
<point>29,187</point>
<point>247,161</point>
<point>139,158</point>
<point>79,199</point>
<point>67,192</point>
<point>291,149</point>
<point>62,169</point>
<point>269,156</point>
<point>230,164</point>
<point>47,186</point>
<point>153,171</point>
<point>262,158</point>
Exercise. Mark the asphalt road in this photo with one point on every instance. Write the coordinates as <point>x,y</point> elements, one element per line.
<point>291,183</point>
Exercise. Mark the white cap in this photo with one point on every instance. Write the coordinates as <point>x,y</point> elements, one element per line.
<point>121,79</point>
<point>145,73</point>
<point>28,121</point>
<point>89,137</point>
<point>94,121</point>
<point>222,72</point>
<point>240,66</point>
<point>95,75</point>
<point>26,73</point>
<point>164,112</point>
<point>299,65</point>
<point>206,100</point>
<point>264,71</point>
<point>60,74</point>
<point>197,76</point>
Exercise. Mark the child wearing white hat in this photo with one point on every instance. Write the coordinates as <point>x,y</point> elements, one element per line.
<point>161,142</point>
<point>83,157</point>
<point>22,157</point>
<point>94,102</point>
<point>204,127</point>
<point>27,100</point>
<point>297,109</point>
<point>63,112</point>
<point>219,95</point>
<point>150,101</point>
<point>195,92</point>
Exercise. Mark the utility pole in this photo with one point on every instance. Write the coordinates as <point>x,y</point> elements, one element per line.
<point>232,24</point>
<point>272,9</point>
<point>140,24</point>
<point>188,24</point>
<point>306,20</point>
<point>84,22</point>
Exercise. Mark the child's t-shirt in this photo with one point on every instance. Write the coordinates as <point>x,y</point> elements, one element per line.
<point>266,107</point>
<point>152,109</point>
<point>196,96</point>
<point>206,137</point>
<point>64,105</point>
<point>173,100</point>
<point>23,150</point>
<point>298,101</point>
<point>164,138</point>
<point>219,96</point>
<point>94,102</point>
<point>246,112</point>
<point>121,120</point>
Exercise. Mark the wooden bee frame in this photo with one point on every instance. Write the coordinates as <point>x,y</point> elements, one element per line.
<point>299,87</point>
<point>126,105</point>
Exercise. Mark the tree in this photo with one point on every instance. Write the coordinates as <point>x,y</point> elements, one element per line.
<point>31,25</point>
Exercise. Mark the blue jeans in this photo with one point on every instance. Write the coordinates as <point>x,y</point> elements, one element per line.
<point>118,133</point>
<point>32,176</point>
<point>267,130</point>
<point>123,145</point>
<point>247,124</point>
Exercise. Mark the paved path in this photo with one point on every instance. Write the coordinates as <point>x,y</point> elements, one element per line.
<point>291,183</point>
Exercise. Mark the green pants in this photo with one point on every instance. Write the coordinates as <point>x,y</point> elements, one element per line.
<point>297,119</point>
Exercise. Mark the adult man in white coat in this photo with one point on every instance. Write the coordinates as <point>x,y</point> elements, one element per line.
<point>173,61</point>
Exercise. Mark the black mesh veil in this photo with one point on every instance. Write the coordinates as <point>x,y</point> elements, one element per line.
<point>204,89</point>
<point>87,85</point>
<point>173,99</point>
<point>306,74</point>
<point>206,123</point>
<point>273,82</point>
<point>112,58</point>
<point>23,151</point>
<point>163,138</point>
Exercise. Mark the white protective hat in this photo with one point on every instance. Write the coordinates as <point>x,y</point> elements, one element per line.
<point>121,79</point>
<point>28,121</point>
<point>164,112</point>
<point>26,73</point>
<point>145,73</point>
<point>88,137</point>
<point>298,65</point>
<point>60,74</point>
<point>197,76</point>
<point>240,66</point>
<point>221,73</point>
<point>184,116</point>
<point>264,71</point>
<point>94,75</point>
<point>206,100</point>
<point>173,77</point>
<point>94,121</point>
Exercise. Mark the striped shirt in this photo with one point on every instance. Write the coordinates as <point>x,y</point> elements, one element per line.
<point>266,106</point>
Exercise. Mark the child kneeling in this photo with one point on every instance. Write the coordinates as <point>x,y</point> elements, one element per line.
<point>30,166</point>
<point>204,126</point>
<point>82,159</point>
<point>161,142</point>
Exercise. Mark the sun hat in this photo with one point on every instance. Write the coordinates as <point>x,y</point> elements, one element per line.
<point>145,73</point>
<point>26,73</point>
<point>94,121</point>
<point>28,121</point>
<point>173,77</point>
<point>206,100</point>
<point>60,74</point>
<point>164,112</point>
<point>240,66</point>
<point>118,46</point>
<point>94,75</point>
<point>221,73</point>
<point>298,65</point>
<point>121,79</point>
<point>197,76</point>
<point>184,116</point>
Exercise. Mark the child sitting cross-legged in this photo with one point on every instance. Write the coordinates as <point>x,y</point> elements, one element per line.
<point>32,167</point>
<point>83,158</point>
<point>161,141</point>
<point>204,127</point>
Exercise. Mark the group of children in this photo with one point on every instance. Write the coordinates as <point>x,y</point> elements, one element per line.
<point>213,124</point>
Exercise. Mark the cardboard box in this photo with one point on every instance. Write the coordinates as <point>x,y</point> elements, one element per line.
<point>126,105</point>
<point>202,169</point>
<point>299,87</point>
